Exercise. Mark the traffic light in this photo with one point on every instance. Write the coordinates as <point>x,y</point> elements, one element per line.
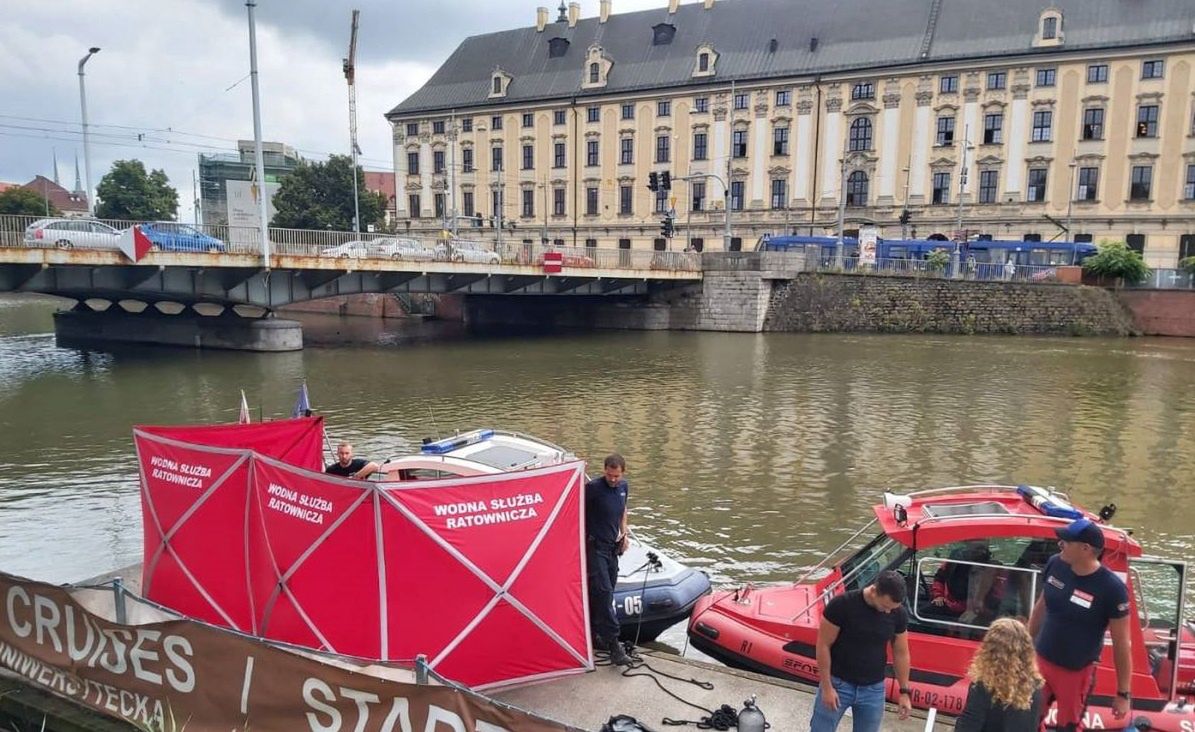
<point>666,228</point>
<point>666,180</point>
<point>904,216</point>
<point>653,182</point>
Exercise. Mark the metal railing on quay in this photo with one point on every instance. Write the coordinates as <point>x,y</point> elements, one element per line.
<point>1165,279</point>
<point>980,271</point>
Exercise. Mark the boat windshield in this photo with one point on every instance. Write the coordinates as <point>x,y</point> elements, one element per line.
<point>879,554</point>
<point>503,457</point>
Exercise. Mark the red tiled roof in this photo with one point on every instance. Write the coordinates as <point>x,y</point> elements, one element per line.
<point>5,186</point>
<point>60,198</point>
<point>380,182</point>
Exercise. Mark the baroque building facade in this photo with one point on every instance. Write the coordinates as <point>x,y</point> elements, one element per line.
<point>1040,120</point>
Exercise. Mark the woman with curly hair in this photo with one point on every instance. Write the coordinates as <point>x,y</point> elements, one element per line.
<point>1005,693</point>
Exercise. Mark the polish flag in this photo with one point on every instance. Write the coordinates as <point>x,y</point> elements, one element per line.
<point>134,244</point>
<point>244,416</point>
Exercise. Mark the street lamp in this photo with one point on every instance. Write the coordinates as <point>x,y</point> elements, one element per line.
<point>86,140</point>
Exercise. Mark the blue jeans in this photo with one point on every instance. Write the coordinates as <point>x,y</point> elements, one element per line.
<point>865,702</point>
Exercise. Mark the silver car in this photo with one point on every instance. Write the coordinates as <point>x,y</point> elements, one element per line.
<point>352,249</point>
<point>72,234</point>
<point>474,252</point>
<point>403,249</point>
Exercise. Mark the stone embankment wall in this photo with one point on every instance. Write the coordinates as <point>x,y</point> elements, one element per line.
<point>1161,312</point>
<point>812,302</point>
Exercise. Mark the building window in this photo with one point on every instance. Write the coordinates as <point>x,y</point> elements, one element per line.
<point>467,160</point>
<point>1093,124</point>
<point>497,85</point>
<point>528,119</point>
<point>701,104</point>
<point>780,141</point>
<point>628,111</point>
<point>496,159</point>
<point>496,122</point>
<point>591,201</point>
<point>948,84</point>
<point>558,201</point>
<point>438,162</point>
<point>1186,246</point>
<point>739,144</point>
<point>1049,28</point>
<point>1037,185</point>
<point>698,195</point>
<point>626,200</point>
<point>438,203</point>
<point>626,151</point>
<point>993,129</point>
<point>496,203</point>
<point>664,108</point>
<point>659,244</point>
<point>1043,121</point>
<point>1097,74</point>
<point>467,203</point>
<point>591,153</point>
<point>1152,69</point>
<point>558,155</point>
<point>703,62</point>
<point>860,135</point>
<point>856,189</point>
<point>1147,120</point>
<point>784,98</point>
<point>1136,242</point>
<point>467,124</point>
<point>1089,183</point>
<point>941,188</point>
<point>988,180</point>
<point>863,90</point>
<point>1189,188</point>
<point>412,129</point>
<point>997,79</point>
<point>663,151</point>
<point>438,127</point>
<point>736,243</point>
<point>697,244</point>
<point>779,194</point>
<point>595,73</point>
<point>1143,175</point>
<point>413,206</point>
<point>740,101</point>
<point>700,146</point>
<point>591,243</point>
<point>661,201</point>
<point>528,157</point>
<point>558,117</point>
<point>1045,77</point>
<point>945,131</point>
<point>593,114</point>
<point>528,202</point>
<point>624,243</point>
<point>413,163</point>
<point>736,195</point>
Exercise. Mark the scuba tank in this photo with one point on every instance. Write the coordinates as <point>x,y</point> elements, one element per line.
<point>751,719</point>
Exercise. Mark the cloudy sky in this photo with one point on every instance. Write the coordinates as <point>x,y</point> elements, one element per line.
<point>171,80</point>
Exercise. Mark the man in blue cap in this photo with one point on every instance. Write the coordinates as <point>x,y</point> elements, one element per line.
<point>1081,599</point>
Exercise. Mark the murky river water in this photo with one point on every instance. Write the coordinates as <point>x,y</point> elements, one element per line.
<point>749,455</point>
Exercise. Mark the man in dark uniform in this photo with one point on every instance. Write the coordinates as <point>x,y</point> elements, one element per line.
<point>348,467</point>
<point>605,541</point>
<point>1081,599</point>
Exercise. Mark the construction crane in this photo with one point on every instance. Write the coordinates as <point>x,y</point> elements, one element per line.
<point>350,75</point>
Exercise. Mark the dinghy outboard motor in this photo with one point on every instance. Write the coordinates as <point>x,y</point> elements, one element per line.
<point>751,719</point>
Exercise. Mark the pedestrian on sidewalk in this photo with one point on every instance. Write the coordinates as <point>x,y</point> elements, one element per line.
<point>1006,687</point>
<point>852,652</point>
<point>606,539</point>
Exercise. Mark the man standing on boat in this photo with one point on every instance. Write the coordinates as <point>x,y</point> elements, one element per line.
<point>605,540</point>
<point>348,467</point>
<point>1080,600</point>
<point>852,653</point>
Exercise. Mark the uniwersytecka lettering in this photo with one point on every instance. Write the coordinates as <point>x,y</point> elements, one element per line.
<point>467,514</point>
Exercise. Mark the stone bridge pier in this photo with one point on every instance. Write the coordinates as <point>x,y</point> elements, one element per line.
<point>185,326</point>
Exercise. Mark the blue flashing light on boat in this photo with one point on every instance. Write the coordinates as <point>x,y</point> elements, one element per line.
<point>448,444</point>
<point>1048,503</point>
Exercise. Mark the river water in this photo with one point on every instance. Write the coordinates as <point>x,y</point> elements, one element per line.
<point>749,455</point>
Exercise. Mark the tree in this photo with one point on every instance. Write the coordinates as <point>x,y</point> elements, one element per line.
<point>24,202</point>
<point>320,196</point>
<point>128,192</point>
<point>1114,260</point>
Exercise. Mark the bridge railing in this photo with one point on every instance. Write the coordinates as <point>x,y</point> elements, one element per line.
<point>349,245</point>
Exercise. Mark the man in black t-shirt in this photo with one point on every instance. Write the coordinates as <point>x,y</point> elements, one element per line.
<point>346,466</point>
<point>1080,600</point>
<point>852,653</point>
<point>605,540</point>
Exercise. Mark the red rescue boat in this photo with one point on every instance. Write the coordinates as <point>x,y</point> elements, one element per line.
<point>983,546</point>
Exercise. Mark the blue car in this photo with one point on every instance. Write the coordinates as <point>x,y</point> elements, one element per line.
<point>168,236</point>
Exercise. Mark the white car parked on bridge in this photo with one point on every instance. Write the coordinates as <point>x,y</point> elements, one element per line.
<point>459,250</point>
<point>353,249</point>
<point>404,249</point>
<point>72,234</point>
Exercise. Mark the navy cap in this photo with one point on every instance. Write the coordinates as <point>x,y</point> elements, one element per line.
<point>1082,530</point>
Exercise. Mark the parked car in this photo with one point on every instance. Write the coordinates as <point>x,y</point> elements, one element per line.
<point>353,249</point>
<point>458,250</point>
<point>72,234</point>
<point>169,236</point>
<point>403,249</point>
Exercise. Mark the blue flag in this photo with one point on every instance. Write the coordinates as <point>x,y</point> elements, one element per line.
<point>302,404</point>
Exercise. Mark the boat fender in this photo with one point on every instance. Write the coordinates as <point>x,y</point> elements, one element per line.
<point>751,719</point>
